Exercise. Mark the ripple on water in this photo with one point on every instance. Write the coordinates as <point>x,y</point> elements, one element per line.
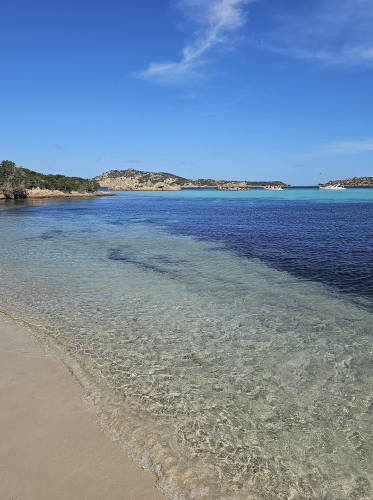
<point>237,380</point>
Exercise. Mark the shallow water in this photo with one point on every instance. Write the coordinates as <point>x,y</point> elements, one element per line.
<point>226,337</point>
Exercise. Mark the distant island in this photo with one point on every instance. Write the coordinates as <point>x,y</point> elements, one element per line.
<point>19,183</point>
<point>138,180</point>
<point>353,182</point>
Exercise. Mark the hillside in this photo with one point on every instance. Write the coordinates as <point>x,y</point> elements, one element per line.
<point>138,180</point>
<point>353,181</point>
<point>132,179</point>
<point>18,182</point>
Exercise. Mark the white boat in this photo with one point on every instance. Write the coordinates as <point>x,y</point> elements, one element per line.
<point>333,187</point>
<point>273,188</point>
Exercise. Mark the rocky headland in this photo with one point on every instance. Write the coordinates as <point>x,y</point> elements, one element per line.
<point>38,193</point>
<point>21,183</point>
<point>352,182</point>
<point>138,180</point>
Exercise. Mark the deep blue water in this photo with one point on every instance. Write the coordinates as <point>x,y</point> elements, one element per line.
<point>209,330</point>
<point>326,242</point>
<point>329,240</point>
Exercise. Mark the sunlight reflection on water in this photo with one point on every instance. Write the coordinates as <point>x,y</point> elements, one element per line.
<point>238,380</point>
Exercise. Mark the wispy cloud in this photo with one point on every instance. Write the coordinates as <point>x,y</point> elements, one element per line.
<point>214,21</point>
<point>332,32</point>
<point>351,56</point>
<point>348,147</point>
<point>327,32</point>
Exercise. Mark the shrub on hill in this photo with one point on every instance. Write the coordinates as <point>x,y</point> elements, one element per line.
<point>15,181</point>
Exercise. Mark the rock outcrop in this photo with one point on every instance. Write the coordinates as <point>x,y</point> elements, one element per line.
<point>353,181</point>
<point>49,193</point>
<point>138,180</point>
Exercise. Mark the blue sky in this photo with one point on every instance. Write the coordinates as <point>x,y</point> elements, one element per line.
<point>265,89</point>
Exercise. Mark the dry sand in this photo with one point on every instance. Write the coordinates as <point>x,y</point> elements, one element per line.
<point>51,447</point>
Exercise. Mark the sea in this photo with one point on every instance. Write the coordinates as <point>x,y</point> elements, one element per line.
<point>225,339</point>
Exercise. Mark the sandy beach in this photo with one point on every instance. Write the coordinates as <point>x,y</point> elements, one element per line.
<point>51,446</point>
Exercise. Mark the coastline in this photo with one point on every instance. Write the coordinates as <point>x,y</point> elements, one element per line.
<point>54,448</point>
<point>37,193</point>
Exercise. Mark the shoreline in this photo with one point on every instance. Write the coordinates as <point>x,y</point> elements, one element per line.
<point>37,194</point>
<point>54,447</point>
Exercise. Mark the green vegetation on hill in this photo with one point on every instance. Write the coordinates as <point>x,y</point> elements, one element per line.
<point>354,181</point>
<point>144,178</point>
<point>15,181</point>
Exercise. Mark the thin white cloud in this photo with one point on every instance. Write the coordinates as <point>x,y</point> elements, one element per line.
<point>332,32</point>
<point>215,20</point>
<point>352,56</point>
<point>348,147</point>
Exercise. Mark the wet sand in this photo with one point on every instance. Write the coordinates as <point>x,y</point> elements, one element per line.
<point>51,446</point>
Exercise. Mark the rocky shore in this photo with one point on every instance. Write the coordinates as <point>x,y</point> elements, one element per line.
<point>353,182</point>
<point>17,183</point>
<point>38,193</point>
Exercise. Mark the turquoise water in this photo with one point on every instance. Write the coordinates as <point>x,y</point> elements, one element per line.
<point>290,194</point>
<point>229,374</point>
